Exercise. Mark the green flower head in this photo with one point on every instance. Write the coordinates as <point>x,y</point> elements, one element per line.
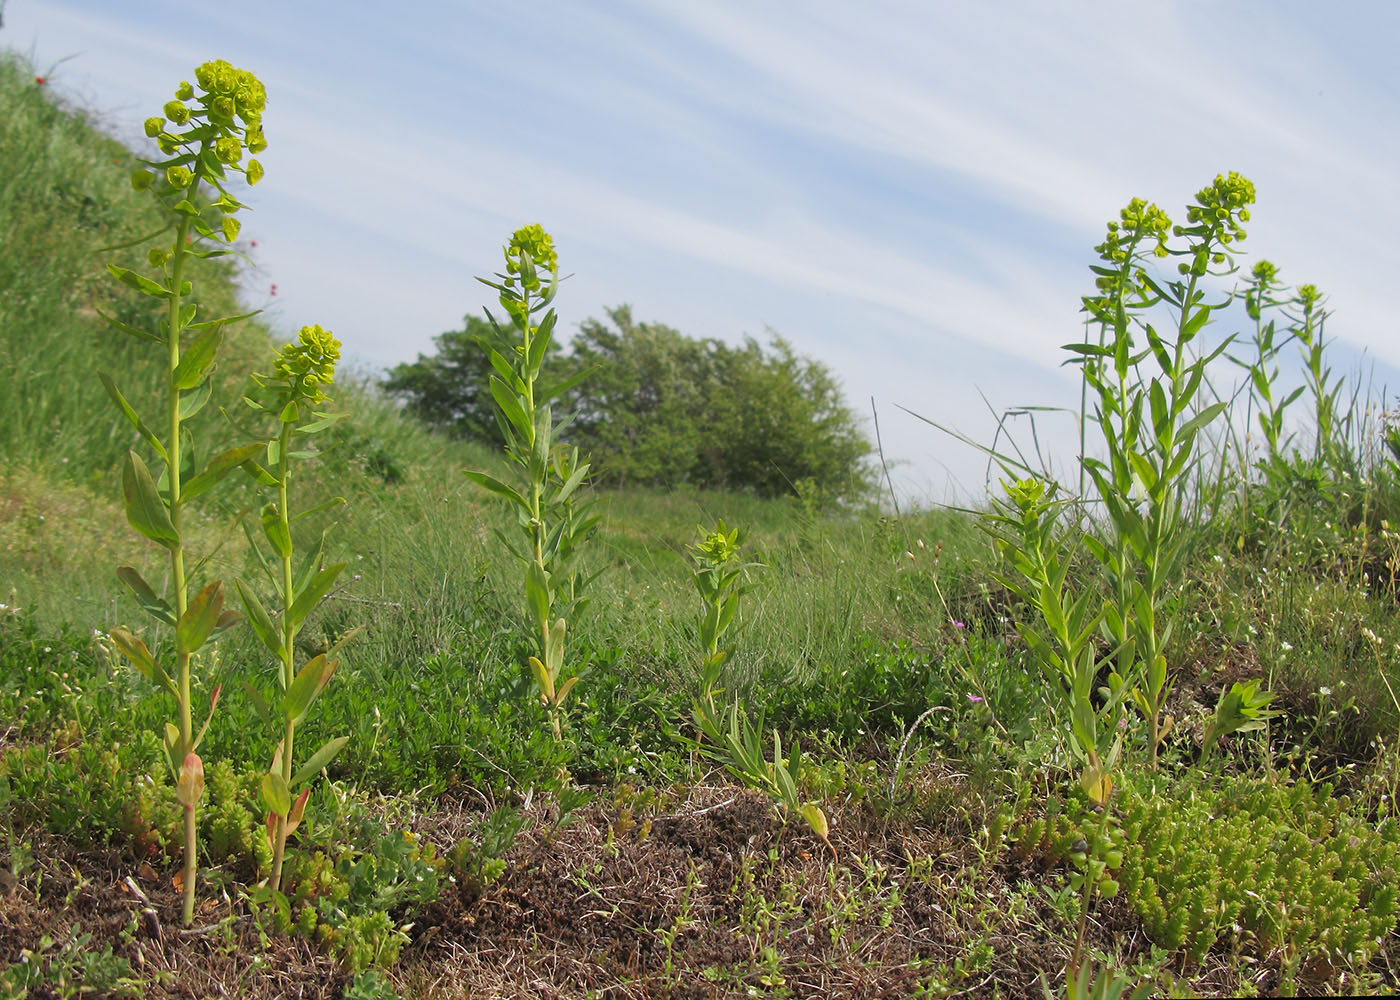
<point>254,171</point>
<point>184,92</point>
<point>1265,272</point>
<point>177,112</point>
<point>1026,494</point>
<point>1225,204</point>
<point>309,364</point>
<point>178,176</point>
<point>1138,221</point>
<point>539,245</point>
<point>231,92</point>
<point>154,126</point>
<point>718,547</point>
<point>228,149</point>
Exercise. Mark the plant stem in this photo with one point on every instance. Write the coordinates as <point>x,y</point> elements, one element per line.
<point>177,553</point>
<point>284,443</point>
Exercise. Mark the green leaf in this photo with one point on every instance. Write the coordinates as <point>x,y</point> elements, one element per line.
<point>537,595</point>
<point>319,759</point>
<point>145,510</point>
<point>1193,326</point>
<point>545,394</point>
<point>127,328</point>
<point>554,649</point>
<point>495,486</point>
<point>200,616</point>
<point>146,433</point>
<point>209,323</point>
<point>153,603</point>
<point>309,682</point>
<point>542,679</point>
<point>572,483</point>
<point>276,796</point>
<point>135,650</point>
<point>816,819</point>
<point>276,531</point>
<point>564,690</point>
<point>139,282</point>
<point>332,502</point>
<point>219,466</point>
<point>259,619</point>
<point>319,586</point>
<point>195,399</point>
<point>259,703</point>
<point>511,407</point>
<point>198,358</point>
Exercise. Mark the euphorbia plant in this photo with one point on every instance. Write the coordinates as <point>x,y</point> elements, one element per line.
<point>734,740</point>
<point>548,476</point>
<point>293,392</point>
<point>1150,423</point>
<point>202,137</point>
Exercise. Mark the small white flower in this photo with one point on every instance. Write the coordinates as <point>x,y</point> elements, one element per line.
<point>1287,647</point>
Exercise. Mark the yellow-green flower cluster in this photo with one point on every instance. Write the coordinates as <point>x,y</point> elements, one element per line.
<point>538,245</point>
<point>231,103</point>
<point>1216,220</point>
<point>309,364</point>
<point>719,547</point>
<point>1138,221</point>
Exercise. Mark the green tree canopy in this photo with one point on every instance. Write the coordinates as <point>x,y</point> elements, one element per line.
<point>448,390</point>
<point>661,409</point>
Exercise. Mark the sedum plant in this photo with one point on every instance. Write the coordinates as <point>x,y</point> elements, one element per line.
<point>553,524</point>
<point>202,137</point>
<point>1276,870</point>
<point>293,392</point>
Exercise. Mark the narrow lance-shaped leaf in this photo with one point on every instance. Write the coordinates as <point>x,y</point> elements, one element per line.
<point>153,603</point>
<point>201,616</point>
<point>258,617</point>
<point>145,510</point>
<point>218,467</point>
<point>135,650</point>
<point>132,416</point>
<point>319,586</point>
<point>495,486</point>
<point>276,531</point>
<point>139,282</point>
<point>319,759</point>
<point>309,682</point>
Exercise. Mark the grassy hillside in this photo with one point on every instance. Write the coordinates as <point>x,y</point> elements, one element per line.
<point>458,849</point>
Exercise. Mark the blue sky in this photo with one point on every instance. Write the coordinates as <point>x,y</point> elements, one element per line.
<point>909,192</point>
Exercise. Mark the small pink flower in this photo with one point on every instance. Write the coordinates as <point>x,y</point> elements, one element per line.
<point>958,624</point>
<point>974,698</point>
<point>274,290</point>
<point>253,243</point>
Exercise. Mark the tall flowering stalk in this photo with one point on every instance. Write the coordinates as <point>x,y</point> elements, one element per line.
<point>1150,423</point>
<point>293,392</point>
<point>202,136</point>
<point>548,476</point>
